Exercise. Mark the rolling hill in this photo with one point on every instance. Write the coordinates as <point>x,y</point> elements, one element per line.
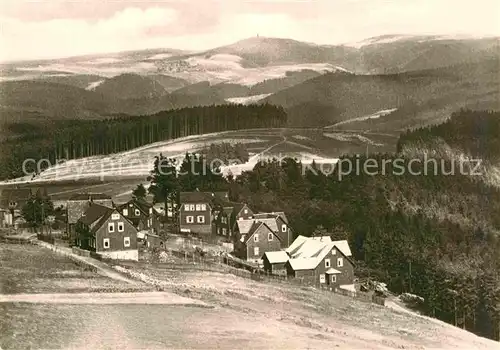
<point>424,77</point>
<point>400,53</point>
<point>331,98</point>
<point>53,100</point>
<point>261,52</point>
<point>130,86</point>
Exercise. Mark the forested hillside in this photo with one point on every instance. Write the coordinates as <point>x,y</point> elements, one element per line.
<point>421,96</point>
<point>434,235</point>
<point>472,132</point>
<point>63,139</point>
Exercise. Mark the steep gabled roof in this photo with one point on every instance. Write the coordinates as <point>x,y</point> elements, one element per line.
<point>255,226</point>
<point>278,257</point>
<point>193,197</point>
<point>271,223</point>
<point>141,204</point>
<point>270,215</point>
<point>94,213</point>
<point>244,226</point>
<point>307,252</point>
<point>343,246</point>
<point>196,197</point>
<point>309,260</point>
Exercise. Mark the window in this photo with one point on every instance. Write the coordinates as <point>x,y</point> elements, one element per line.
<point>130,205</point>
<point>200,219</point>
<point>189,219</point>
<point>322,278</point>
<point>283,228</point>
<point>191,207</point>
<point>340,262</point>
<point>334,278</point>
<point>111,227</point>
<point>224,220</point>
<point>224,231</point>
<point>256,238</point>
<point>186,207</point>
<point>105,243</point>
<point>327,262</point>
<point>203,207</point>
<point>126,241</point>
<point>137,212</point>
<point>256,251</point>
<point>334,251</point>
<point>198,207</point>
<point>115,216</point>
<point>125,212</point>
<point>245,211</point>
<point>150,210</point>
<point>121,227</point>
<point>269,236</point>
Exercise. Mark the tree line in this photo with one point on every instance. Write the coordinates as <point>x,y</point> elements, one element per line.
<point>434,235</point>
<point>74,139</point>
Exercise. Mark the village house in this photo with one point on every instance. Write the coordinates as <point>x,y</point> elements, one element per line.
<point>274,262</point>
<point>141,214</point>
<point>242,212</point>
<point>225,216</point>
<point>319,260</point>
<point>254,239</point>
<point>76,207</point>
<point>222,221</point>
<point>13,200</point>
<point>278,222</point>
<point>105,232</point>
<point>196,212</point>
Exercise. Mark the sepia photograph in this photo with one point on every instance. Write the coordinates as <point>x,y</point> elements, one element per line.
<point>249,174</point>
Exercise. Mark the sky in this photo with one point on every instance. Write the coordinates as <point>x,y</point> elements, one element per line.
<point>61,28</point>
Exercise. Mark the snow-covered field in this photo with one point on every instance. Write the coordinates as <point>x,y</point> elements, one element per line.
<point>375,115</point>
<point>248,99</point>
<point>215,69</point>
<point>95,84</point>
<point>263,145</point>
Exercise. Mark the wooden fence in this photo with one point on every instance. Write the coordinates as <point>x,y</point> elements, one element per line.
<point>227,264</point>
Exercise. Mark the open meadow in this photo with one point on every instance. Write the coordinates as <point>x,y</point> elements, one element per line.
<point>219,310</point>
<point>31,269</point>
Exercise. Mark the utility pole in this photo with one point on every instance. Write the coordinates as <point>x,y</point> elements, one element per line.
<point>43,217</point>
<point>409,267</point>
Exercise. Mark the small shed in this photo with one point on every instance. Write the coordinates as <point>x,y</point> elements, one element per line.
<point>274,262</point>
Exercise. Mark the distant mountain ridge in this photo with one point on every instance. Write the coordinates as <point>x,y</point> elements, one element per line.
<point>318,85</point>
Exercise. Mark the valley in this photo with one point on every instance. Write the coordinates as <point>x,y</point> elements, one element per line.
<point>97,123</point>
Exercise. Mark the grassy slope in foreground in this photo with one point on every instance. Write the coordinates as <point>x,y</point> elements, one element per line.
<point>255,314</point>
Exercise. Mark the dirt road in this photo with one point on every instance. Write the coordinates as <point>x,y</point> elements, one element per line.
<point>163,298</point>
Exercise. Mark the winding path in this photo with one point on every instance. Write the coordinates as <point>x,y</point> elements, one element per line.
<point>163,298</point>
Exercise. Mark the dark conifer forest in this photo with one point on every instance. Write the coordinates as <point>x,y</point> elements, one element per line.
<point>65,140</point>
<point>435,235</point>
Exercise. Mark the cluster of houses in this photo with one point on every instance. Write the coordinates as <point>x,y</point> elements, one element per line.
<point>94,223</point>
<point>13,200</point>
<point>267,239</point>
